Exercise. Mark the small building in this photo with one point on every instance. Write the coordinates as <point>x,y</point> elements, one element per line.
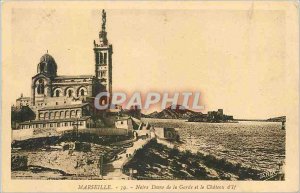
<point>22,101</point>
<point>220,112</point>
<point>166,133</point>
<point>124,123</point>
<point>127,123</point>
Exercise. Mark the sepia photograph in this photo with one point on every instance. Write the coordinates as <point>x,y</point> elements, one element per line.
<point>204,94</point>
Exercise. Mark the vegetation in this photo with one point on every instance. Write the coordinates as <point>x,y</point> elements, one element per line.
<point>44,142</point>
<point>156,161</point>
<point>19,115</point>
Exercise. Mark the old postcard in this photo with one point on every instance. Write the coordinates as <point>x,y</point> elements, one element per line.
<point>150,96</point>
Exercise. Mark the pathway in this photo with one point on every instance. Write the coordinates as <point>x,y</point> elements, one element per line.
<point>114,169</point>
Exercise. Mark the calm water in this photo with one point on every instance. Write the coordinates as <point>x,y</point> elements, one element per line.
<point>257,144</point>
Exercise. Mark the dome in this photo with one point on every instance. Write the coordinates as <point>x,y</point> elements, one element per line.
<point>47,65</point>
<point>47,58</point>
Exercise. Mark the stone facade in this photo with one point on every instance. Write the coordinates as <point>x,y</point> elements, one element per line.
<point>59,100</point>
<point>71,87</point>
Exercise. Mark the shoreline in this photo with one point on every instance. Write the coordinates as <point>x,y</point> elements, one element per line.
<point>197,144</point>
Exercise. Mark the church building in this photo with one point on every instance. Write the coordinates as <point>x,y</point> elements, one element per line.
<point>59,100</point>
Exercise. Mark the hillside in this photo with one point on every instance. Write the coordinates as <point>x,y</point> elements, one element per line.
<point>178,112</point>
<point>158,162</point>
<point>277,119</point>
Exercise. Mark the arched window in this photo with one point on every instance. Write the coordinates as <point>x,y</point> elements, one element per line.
<point>41,87</point>
<point>97,58</point>
<point>61,115</point>
<point>105,58</point>
<point>101,58</point>
<point>51,115</point>
<point>67,114</point>
<point>72,113</point>
<point>46,115</point>
<point>82,92</point>
<point>57,93</point>
<point>56,115</point>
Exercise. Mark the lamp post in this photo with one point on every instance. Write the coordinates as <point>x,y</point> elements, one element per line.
<point>76,125</point>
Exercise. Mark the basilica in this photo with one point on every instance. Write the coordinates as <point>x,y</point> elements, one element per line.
<point>58,100</point>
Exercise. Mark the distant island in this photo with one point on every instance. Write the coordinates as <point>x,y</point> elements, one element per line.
<point>179,112</point>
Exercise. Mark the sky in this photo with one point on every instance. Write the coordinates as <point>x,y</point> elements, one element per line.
<point>236,59</point>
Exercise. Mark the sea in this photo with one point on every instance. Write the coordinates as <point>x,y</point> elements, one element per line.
<point>260,145</point>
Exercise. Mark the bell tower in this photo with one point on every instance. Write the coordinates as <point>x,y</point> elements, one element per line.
<point>103,59</point>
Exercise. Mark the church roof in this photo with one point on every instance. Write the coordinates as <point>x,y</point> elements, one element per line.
<point>47,58</point>
<point>56,120</point>
<point>64,106</point>
<point>47,65</point>
<point>73,76</point>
